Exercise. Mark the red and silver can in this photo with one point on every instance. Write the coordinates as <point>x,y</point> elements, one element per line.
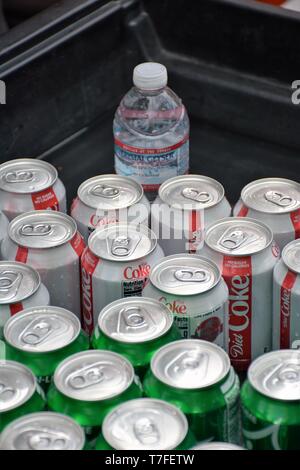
<point>246,255</point>
<point>49,242</point>
<point>3,226</point>
<point>28,184</point>
<point>193,290</point>
<point>184,207</point>
<point>106,199</point>
<point>20,288</point>
<point>116,264</point>
<point>286,299</point>
<point>276,202</point>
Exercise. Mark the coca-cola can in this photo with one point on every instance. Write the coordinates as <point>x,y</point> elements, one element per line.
<point>276,202</point>
<point>245,252</point>
<point>116,264</point>
<point>106,199</point>
<point>20,288</point>
<point>195,293</point>
<point>286,299</point>
<point>28,184</point>
<point>184,207</point>
<point>3,226</point>
<point>49,242</point>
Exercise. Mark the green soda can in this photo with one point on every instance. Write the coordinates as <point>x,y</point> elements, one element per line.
<point>87,385</point>
<point>145,424</point>
<point>196,376</point>
<point>271,402</point>
<point>135,327</point>
<point>20,393</point>
<point>43,431</point>
<point>42,337</point>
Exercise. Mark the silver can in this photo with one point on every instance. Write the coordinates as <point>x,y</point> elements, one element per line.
<point>276,202</point>
<point>286,298</point>
<point>3,226</point>
<point>192,288</point>
<point>49,242</point>
<point>245,253</point>
<point>212,446</point>
<point>43,431</point>
<point>106,199</point>
<point>116,264</point>
<point>145,424</point>
<point>20,288</point>
<point>29,184</point>
<point>184,207</point>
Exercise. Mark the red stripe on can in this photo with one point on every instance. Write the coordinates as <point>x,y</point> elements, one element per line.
<point>149,151</point>
<point>243,212</point>
<point>15,308</point>
<point>74,204</point>
<point>285,308</point>
<point>78,244</point>
<point>194,231</point>
<point>237,273</point>
<point>22,254</point>
<point>45,199</point>
<point>89,263</point>
<point>295,218</point>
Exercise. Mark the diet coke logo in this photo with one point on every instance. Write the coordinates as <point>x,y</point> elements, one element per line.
<point>177,307</point>
<point>138,272</point>
<point>98,221</point>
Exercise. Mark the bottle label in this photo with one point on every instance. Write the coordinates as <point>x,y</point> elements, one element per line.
<point>151,167</point>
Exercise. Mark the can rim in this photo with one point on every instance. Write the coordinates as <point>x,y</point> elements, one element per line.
<point>32,160</point>
<point>28,371</point>
<point>35,273</point>
<point>284,258</point>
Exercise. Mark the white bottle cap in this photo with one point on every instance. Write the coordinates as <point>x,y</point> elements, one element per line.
<point>150,76</point>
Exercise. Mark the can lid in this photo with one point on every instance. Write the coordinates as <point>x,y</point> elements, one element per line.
<point>42,329</point>
<point>143,424</point>
<point>26,175</point>
<point>17,385</point>
<point>43,431</point>
<point>291,255</point>
<point>18,281</point>
<point>185,275</point>
<point>122,242</point>
<point>217,446</point>
<point>110,192</point>
<point>195,191</point>
<point>190,364</point>
<point>277,374</point>
<point>150,76</point>
<point>93,375</point>
<point>135,320</point>
<point>272,195</point>
<point>238,236</point>
<point>42,229</point>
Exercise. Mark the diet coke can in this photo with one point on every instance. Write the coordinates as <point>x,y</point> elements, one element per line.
<point>276,202</point>
<point>193,290</point>
<point>20,288</point>
<point>184,207</point>
<point>3,226</point>
<point>116,264</point>
<point>286,299</point>
<point>27,184</point>
<point>106,199</point>
<point>246,255</point>
<point>49,242</point>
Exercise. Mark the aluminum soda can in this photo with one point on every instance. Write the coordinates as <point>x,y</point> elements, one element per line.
<point>28,184</point>
<point>145,424</point>
<point>41,338</point>
<point>192,288</point>
<point>20,288</point>
<point>43,431</point>
<point>184,207</point>
<point>106,199</point>
<point>270,400</point>
<point>49,242</point>
<point>244,251</point>
<point>116,264</point>
<point>3,226</point>
<point>276,202</point>
<point>286,298</point>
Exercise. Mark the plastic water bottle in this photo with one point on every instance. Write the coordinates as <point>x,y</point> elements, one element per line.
<point>151,130</point>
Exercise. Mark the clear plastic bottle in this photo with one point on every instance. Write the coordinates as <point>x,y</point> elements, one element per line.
<point>151,130</point>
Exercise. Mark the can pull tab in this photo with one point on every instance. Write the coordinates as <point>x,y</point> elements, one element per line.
<point>146,431</point>
<point>189,364</point>
<point>36,230</point>
<point>278,198</point>
<point>134,317</point>
<point>36,332</point>
<point>6,393</point>
<point>233,239</point>
<point>46,440</point>
<point>9,284</point>
<point>124,246</point>
<point>103,190</point>
<point>87,377</point>
<point>196,195</point>
<point>20,176</point>
<point>192,275</point>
